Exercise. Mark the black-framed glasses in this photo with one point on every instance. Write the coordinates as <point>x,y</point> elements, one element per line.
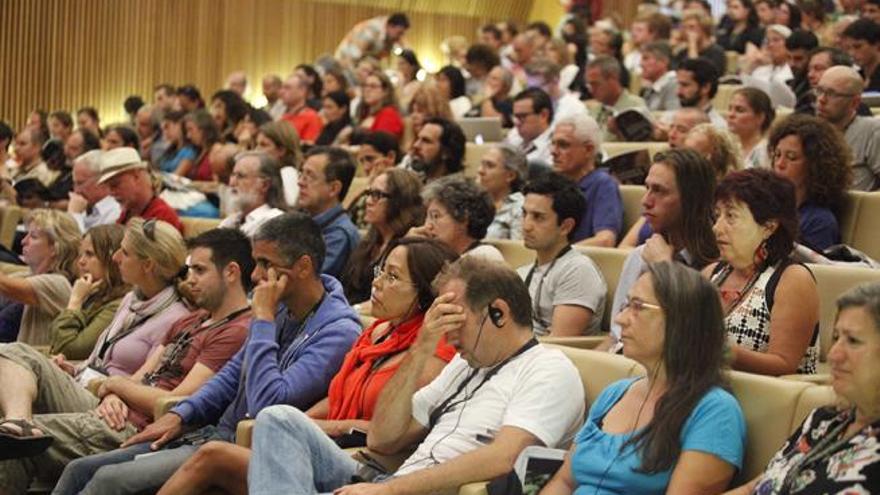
<point>819,92</point>
<point>150,229</point>
<point>376,194</point>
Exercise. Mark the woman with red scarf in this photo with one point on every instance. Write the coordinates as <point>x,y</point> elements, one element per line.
<point>401,294</point>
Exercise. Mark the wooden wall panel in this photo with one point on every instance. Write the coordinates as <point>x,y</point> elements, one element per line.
<point>65,54</point>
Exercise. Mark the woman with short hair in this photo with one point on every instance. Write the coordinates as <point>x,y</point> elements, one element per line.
<point>502,173</point>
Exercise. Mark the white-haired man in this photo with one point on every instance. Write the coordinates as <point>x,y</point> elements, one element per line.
<point>90,202</point>
<point>575,146</point>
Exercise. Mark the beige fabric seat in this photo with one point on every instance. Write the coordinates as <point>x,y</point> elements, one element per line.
<point>193,226</point>
<point>612,149</point>
<point>610,263</point>
<point>473,153</point>
<point>631,195</point>
<point>515,253</point>
<point>9,218</point>
<point>859,225</point>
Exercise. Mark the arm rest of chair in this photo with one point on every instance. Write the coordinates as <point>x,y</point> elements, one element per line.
<point>590,342</point>
<point>478,488</point>
<point>244,433</point>
<point>164,404</point>
<point>818,378</point>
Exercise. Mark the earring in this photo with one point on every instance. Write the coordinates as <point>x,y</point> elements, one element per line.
<point>762,254</point>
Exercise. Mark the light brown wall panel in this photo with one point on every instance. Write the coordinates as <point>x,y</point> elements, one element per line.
<point>64,54</point>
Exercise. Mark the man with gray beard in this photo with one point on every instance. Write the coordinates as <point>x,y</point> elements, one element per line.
<point>257,193</point>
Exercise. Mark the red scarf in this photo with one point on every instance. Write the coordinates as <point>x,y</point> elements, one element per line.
<point>347,389</point>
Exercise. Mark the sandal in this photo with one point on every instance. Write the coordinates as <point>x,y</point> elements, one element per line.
<point>26,443</point>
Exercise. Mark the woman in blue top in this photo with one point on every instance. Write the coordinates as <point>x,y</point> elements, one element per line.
<point>677,430</point>
<point>179,149</point>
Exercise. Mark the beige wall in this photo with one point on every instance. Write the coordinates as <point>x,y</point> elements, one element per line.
<point>64,54</point>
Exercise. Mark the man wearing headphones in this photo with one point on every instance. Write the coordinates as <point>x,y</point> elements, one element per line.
<point>502,393</point>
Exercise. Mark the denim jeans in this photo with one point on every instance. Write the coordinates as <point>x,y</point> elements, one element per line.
<point>291,454</point>
<point>121,471</point>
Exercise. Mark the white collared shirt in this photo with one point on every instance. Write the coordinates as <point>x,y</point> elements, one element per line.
<point>252,220</point>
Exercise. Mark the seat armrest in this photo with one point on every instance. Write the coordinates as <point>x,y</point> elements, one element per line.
<point>478,488</point>
<point>244,433</point>
<point>587,342</point>
<point>818,378</point>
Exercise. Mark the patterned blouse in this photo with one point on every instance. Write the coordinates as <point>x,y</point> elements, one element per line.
<point>748,324</point>
<point>850,467</point>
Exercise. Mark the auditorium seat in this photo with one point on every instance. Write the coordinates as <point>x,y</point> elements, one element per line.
<point>515,253</point>
<point>858,224</point>
<point>732,58</point>
<point>9,218</point>
<point>631,195</point>
<point>610,263</point>
<point>722,98</point>
<point>612,149</point>
<point>193,226</point>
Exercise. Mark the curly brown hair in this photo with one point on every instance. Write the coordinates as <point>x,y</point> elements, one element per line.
<point>826,154</point>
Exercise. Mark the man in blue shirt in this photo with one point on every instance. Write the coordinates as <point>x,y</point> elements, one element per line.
<point>324,181</point>
<point>575,144</point>
<point>302,328</point>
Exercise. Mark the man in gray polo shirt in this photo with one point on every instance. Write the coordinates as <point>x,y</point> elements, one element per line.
<point>838,95</point>
<point>567,290</point>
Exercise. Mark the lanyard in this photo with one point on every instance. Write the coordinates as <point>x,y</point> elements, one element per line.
<point>536,307</point>
<point>448,404</point>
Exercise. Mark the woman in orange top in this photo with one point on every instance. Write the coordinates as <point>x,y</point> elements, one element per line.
<point>401,295</point>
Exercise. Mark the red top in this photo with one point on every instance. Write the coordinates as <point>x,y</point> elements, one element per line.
<point>388,120</point>
<point>355,390</point>
<point>307,122</point>
<point>157,208</point>
<point>202,170</point>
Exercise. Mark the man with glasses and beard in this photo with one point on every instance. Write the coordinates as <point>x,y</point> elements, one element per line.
<point>257,192</point>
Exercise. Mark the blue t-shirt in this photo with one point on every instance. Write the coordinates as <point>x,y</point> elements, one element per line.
<point>604,207</point>
<point>645,233</point>
<point>170,164</point>
<point>818,226</point>
<point>716,426</point>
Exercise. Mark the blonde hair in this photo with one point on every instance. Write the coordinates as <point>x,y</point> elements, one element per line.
<point>433,103</point>
<point>726,155</point>
<point>284,136</point>
<point>707,24</point>
<point>165,246</point>
<point>64,234</point>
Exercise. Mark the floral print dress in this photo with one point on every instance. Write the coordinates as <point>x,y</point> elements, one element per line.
<point>850,467</point>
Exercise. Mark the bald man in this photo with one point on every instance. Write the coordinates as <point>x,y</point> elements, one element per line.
<point>838,95</point>
<point>237,81</point>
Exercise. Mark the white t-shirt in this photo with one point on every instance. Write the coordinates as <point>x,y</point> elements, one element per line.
<point>539,391</point>
<point>574,280</point>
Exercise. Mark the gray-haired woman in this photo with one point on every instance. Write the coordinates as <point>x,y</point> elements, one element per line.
<point>502,173</point>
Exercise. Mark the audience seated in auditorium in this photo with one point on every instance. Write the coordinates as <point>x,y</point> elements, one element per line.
<point>255,190</point>
<point>848,430</point>
<point>479,61</point>
<point>532,119</point>
<point>336,111</point>
<point>819,60</point>
<point>49,250</point>
<point>150,259</point>
<point>195,348</point>
<point>377,152</point>
<point>304,119</point>
<point>661,90</point>
<point>323,183</point>
<point>130,183</point>
<point>202,133</point>
<point>392,206</point>
<point>717,145</point>
<point>871,10</point>
<point>301,330</point>
<point>438,150</point>
<point>188,99</point>
<point>237,83</point>
<point>838,95</point>
<point>697,85</point>
<point>698,42</point>
<point>514,412</point>
<point>810,153</point>
<point>373,37</point>
<point>678,429</point>
<point>603,79</point>
<point>502,173</point>
<point>280,141</point>
<point>458,213</point>
<point>749,116</point>
<point>379,110</point>
<point>576,142</point>
<point>90,202</point>
<point>771,302</point>
<point>566,288</point>
<point>403,293</point>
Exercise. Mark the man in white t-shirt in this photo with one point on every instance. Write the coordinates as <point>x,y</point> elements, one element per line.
<point>256,190</point>
<point>567,290</point>
<point>502,393</point>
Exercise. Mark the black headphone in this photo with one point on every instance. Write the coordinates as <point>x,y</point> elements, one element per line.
<point>495,314</point>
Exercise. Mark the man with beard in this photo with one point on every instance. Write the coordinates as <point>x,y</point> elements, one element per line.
<point>697,85</point>
<point>799,46</point>
<point>257,193</point>
<point>438,149</point>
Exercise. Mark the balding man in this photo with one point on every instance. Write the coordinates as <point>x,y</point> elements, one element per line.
<point>307,122</point>
<point>146,123</point>
<point>683,120</point>
<point>272,91</point>
<point>838,95</point>
<point>90,202</point>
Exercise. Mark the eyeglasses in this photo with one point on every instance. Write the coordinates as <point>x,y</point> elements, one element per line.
<point>379,274</point>
<point>637,305</point>
<point>376,194</point>
<point>150,229</point>
<point>819,92</point>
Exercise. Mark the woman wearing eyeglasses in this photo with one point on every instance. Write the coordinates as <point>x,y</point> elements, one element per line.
<point>502,173</point>
<point>377,152</point>
<point>402,293</point>
<point>379,110</point>
<point>392,206</point>
<point>150,258</point>
<point>771,303</point>
<point>677,429</point>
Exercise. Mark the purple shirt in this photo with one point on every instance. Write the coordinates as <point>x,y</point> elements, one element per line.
<point>604,207</point>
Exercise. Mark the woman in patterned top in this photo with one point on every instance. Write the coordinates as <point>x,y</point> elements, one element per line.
<point>771,303</point>
<point>837,449</point>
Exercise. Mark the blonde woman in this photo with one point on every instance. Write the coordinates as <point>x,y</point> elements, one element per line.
<point>49,249</point>
<point>426,103</point>
<point>719,146</point>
